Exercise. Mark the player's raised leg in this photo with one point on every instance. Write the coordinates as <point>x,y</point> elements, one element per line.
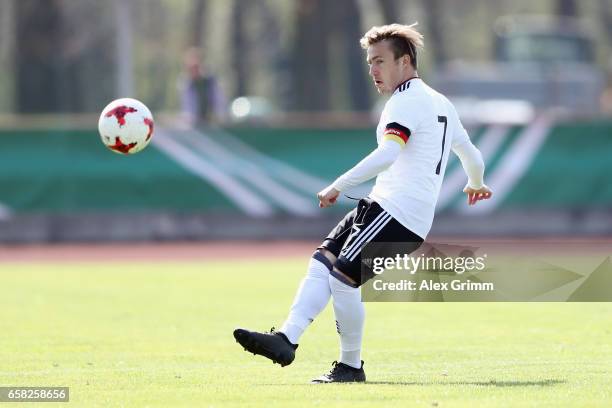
<point>273,345</point>
<point>310,299</point>
<point>312,296</point>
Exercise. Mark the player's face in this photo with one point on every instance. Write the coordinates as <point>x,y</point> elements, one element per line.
<point>386,71</point>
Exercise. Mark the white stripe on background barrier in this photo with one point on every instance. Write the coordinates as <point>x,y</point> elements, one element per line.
<point>279,169</point>
<point>256,176</point>
<point>513,165</point>
<point>454,182</point>
<point>241,196</point>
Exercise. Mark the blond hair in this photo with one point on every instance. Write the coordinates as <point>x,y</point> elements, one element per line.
<point>403,39</point>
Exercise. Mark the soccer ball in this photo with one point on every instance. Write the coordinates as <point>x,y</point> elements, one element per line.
<point>126,126</point>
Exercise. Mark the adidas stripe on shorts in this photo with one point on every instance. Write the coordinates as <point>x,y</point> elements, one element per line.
<point>367,222</point>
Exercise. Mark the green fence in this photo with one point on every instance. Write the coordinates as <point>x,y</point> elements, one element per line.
<point>59,171</point>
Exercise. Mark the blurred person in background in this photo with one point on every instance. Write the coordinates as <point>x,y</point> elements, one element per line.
<point>202,100</point>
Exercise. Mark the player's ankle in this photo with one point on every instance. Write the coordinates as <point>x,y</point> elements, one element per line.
<point>284,337</point>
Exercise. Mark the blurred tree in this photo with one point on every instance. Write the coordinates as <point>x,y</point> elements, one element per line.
<point>310,60</point>
<point>87,54</point>
<point>605,13</point>
<point>240,48</point>
<point>434,12</point>
<point>64,58</point>
<point>347,15</point>
<point>37,60</point>
<point>196,29</point>
<point>567,8</point>
<point>389,11</point>
<point>158,51</point>
<point>271,56</point>
<point>7,44</point>
<point>256,52</point>
<point>124,47</point>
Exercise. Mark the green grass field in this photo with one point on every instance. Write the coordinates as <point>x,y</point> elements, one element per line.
<point>160,335</point>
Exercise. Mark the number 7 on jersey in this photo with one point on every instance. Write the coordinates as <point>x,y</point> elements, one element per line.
<point>442,119</point>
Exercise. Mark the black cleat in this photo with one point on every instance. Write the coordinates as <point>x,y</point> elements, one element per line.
<point>273,345</point>
<point>342,373</point>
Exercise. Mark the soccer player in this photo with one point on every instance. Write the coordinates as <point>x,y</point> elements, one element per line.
<point>418,128</point>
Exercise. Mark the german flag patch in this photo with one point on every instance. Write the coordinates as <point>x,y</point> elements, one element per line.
<point>395,131</point>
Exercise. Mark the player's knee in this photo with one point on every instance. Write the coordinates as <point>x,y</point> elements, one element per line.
<point>325,256</point>
<point>343,277</point>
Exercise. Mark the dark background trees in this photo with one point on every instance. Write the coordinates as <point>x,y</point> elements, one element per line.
<point>69,56</point>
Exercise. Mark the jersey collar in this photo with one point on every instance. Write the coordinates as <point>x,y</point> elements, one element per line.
<point>404,85</point>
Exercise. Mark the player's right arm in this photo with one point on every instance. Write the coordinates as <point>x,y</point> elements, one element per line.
<point>400,118</point>
<point>380,159</point>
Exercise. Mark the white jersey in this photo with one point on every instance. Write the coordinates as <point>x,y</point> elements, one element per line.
<point>409,188</point>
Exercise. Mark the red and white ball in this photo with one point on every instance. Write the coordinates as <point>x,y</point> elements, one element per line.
<point>126,126</point>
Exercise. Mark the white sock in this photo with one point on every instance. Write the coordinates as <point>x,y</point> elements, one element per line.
<point>310,299</point>
<point>350,317</point>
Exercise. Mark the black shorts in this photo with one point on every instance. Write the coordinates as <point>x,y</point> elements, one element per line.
<point>368,222</point>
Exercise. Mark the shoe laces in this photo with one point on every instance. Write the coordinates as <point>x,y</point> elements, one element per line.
<point>335,367</point>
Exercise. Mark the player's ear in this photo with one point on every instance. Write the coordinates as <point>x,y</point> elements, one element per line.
<point>406,59</point>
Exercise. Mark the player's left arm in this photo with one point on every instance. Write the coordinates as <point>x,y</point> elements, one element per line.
<point>473,165</point>
<point>395,138</point>
<point>471,160</point>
